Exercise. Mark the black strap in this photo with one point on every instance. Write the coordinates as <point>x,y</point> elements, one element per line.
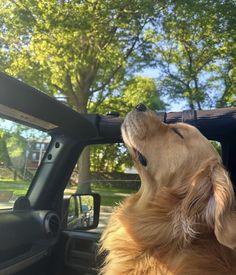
<point>189,116</point>
<point>162,116</point>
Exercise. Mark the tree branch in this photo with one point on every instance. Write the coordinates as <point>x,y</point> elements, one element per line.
<point>128,53</point>
<point>70,92</point>
<point>101,100</point>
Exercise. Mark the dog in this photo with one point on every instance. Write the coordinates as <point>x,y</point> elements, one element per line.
<point>182,220</point>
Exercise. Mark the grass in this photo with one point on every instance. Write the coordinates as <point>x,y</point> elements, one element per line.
<point>111,200</point>
<point>19,188</point>
<point>112,189</point>
<point>110,196</point>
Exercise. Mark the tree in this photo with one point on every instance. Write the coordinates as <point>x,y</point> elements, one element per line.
<point>16,147</point>
<point>4,156</point>
<point>194,52</point>
<point>74,48</point>
<point>136,89</point>
<point>78,49</point>
<point>12,149</point>
<point>109,158</point>
<point>226,13</point>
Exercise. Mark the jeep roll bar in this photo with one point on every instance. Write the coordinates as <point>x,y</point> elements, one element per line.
<point>216,124</point>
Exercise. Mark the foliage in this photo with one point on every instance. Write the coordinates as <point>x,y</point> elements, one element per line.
<point>16,147</point>
<point>4,157</point>
<point>74,48</point>
<point>16,143</point>
<point>194,45</point>
<point>109,158</point>
<point>135,90</point>
<point>217,147</point>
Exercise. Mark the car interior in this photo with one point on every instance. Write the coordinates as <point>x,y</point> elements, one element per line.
<point>38,231</point>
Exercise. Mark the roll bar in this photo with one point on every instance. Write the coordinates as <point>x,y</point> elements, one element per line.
<point>215,124</point>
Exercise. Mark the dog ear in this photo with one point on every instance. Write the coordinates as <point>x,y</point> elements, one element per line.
<point>210,199</point>
<point>196,205</point>
<point>223,204</point>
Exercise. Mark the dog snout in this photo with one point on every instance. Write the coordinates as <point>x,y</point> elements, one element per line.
<point>141,107</point>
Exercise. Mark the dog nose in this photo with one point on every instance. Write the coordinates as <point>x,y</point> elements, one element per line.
<point>141,107</point>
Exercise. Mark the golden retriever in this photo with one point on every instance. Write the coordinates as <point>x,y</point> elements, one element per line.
<point>182,220</point>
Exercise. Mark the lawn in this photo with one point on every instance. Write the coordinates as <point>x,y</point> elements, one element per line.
<point>19,188</point>
<point>112,200</point>
<point>110,196</point>
<point>97,188</point>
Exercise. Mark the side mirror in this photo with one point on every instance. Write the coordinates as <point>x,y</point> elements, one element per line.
<point>83,211</point>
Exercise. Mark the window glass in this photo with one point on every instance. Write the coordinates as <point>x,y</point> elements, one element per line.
<point>19,159</point>
<point>111,174</point>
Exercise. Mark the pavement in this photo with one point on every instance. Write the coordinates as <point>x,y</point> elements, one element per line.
<point>105,213</point>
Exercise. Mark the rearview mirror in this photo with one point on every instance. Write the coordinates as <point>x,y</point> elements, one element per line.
<point>83,211</point>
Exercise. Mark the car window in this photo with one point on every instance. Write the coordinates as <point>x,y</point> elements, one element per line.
<point>111,174</point>
<point>21,151</point>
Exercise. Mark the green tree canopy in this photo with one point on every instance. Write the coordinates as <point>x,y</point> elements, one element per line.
<point>135,90</point>
<point>194,44</point>
<point>74,48</point>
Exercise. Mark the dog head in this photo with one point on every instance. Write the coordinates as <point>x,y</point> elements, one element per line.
<point>178,158</point>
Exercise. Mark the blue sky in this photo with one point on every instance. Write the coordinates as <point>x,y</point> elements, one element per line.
<point>173,106</point>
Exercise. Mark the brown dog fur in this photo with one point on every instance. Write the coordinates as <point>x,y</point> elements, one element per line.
<point>182,220</point>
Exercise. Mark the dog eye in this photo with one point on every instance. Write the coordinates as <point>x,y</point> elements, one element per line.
<point>142,159</point>
<point>177,132</point>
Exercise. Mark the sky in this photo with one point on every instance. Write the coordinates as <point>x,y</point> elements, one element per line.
<point>173,106</point>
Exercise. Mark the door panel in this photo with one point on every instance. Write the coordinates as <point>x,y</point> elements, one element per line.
<point>80,255</point>
<point>27,238</point>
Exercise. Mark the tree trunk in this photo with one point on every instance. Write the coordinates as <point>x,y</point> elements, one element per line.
<point>84,172</point>
<point>79,96</point>
<point>15,174</point>
<point>191,104</point>
<point>84,185</point>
